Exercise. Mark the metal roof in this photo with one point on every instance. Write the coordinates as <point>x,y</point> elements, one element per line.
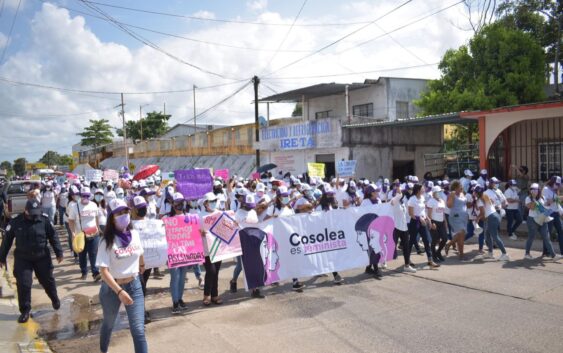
<point>320,90</point>
<point>448,118</point>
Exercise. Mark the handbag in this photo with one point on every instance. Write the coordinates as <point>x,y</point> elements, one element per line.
<point>78,243</point>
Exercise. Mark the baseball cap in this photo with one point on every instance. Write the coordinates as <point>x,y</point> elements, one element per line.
<point>33,208</point>
<point>250,202</point>
<point>217,183</point>
<point>282,191</point>
<point>147,192</point>
<point>534,186</point>
<point>494,180</point>
<point>209,197</point>
<point>511,182</point>
<point>260,187</point>
<point>177,197</point>
<point>117,205</point>
<point>139,202</point>
<point>85,191</point>
<point>468,173</point>
<point>484,171</point>
<point>436,188</point>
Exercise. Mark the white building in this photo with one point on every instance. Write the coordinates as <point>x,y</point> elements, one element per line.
<point>317,135</point>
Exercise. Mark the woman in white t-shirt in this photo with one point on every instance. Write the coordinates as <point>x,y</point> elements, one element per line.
<point>492,223</point>
<point>102,211</point>
<point>419,222</point>
<point>438,228</point>
<point>536,204</point>
<point>398,201</point>
<point>120,258</point>
<point>211,286</point>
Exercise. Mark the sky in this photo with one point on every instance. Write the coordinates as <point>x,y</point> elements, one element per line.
<point>64,62</point>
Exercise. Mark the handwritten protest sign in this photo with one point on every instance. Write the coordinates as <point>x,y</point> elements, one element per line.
<point>111,174</point>
<point>185,246</point>
<point>223,173</point>
<point>193,183</point>
<point>93,175</point>
<point>153,240</point>
<point>222,236</point>
<point>345,169</point>
<point>316,169</point>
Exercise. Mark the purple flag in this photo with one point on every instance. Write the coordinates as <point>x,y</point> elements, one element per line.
<point>193,183</point>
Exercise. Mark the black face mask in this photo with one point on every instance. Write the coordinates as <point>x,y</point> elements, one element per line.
<point>142,212</point>
<point>179,207</point>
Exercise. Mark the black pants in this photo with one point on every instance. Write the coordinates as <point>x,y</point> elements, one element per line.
<point>23,272</point>
<point>211,278</point>
<point>145,279</point>
<point>439,237</point>
<point>404,237</point>
<point>416,227</point>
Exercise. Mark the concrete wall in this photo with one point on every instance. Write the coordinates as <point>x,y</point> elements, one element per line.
<point>405,90</point>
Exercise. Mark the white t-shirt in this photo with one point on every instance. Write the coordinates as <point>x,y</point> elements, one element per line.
<point>419,209</point>
<point>533,213</point>
<point>473,212</point>
<point>87,218</point>
<point>512,194</point>
<point>284,212</point>
<point>399,213</point>
<point>102,216</point>
<point>494,197</point>
<point>444,197</point>
<point>340,196</point>
<point>48,199</point>
<point>437,207</point>
<point>549,195</point>
<point>63,199</point>
<point>122,262</point>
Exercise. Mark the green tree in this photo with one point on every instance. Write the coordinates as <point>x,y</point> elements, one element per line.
<point>154,125</point>
<point>298,110</point>
<point>499,67</point>
<point>19,166</point>
<point>542,19</point>
<point>65,159</point>
<point>97,134</point>
<point>7,166</point>
<point>50,158</point>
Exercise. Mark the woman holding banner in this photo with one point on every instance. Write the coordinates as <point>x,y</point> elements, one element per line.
<point>120,259</point>
<point>210,289</point>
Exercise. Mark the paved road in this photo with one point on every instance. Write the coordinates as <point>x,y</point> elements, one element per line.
<point>469,307</point>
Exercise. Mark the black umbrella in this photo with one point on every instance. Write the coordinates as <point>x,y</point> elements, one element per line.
<point>266,167</point>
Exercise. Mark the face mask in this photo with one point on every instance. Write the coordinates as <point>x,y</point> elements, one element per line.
<point>514,188</point>
<point>179,207</point>
<point>76,198</point>
<point>193,204</point>
<point>85,200</point>
<point>48,188</point>
<point>260,193</point>
<point>120,196</point>
<point>534,192</point>
<point>122,222</point>
<point>98,198</point>
<point>285,200</point>
<point>212,205</point>
<point>142,212</point>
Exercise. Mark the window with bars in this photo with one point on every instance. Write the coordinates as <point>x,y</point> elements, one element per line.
<point>363,110</point>
<point>402,109</point>
<point>549,159</point>
<point>322,115</point>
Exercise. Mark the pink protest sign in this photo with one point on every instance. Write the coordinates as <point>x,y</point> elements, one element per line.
<point>255,176</point>
<point>185,246</point>
<point>222,236</point>
<point>223,173</point>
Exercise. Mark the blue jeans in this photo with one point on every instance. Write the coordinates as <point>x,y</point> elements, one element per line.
<point>557,224</point>
<point>197,271</point>
<point>416,227</point>
<point>533,227</point>
<point>492,233</point>
<point>90,252</point>
<point>238,269</point>
<point>513,220</point>
<point>178,282</point>
<point>135,313</point>
<point>62,211</point>
<point>50,212</point>
<point>471,233</point>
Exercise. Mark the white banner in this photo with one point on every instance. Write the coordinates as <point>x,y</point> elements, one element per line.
<point>93,175</point>
<point>153,240</point>
<point>305,245</point>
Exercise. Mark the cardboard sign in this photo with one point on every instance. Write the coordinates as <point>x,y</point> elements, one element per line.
<point>111,174</point>
<point>94,175</point>
<point>223,173</point>
<point>153,240</point>
<point>316,169</point>
<point>193,183</point>
<point>345,169</point>
<point>185,246</point>
<point>223,241</point>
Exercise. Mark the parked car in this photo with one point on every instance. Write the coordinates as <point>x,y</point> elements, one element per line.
<point>14,197</point>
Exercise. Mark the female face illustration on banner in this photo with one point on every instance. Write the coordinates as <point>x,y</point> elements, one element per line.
<point>380,238</point>
<point>270,257</point>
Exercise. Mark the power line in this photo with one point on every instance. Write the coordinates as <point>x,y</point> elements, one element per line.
<point>216,105</point>
<point>339,39</point>
<point>286,34</point>
<point>401,27</point>
<point>149,43</point>
<point>80,91</point>
<point>172,35</point>
<point>10,32</point>
<point>18,115</point>
<point>230,21</point>
<point>402,46</point>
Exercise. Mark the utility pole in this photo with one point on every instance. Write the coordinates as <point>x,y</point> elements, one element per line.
<point>195,124</point>
<point>124,133</point>
<point>256,82</point>
<point>164,108</point>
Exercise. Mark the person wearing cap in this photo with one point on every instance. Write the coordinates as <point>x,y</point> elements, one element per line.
<point>165,201</point>
<point>466,180</point>
<point>32,231</point>
<point>492,225</point>
<point>398,200</point>
<point>306,203</point>
<point>221,195</point>
<point>148,195</point>
<point>120,259</point>
<point>457,220</point>
<point>246,217</point>
<point>49,201</point>
<point>419,222</point>
<point>475,217</point>
<point>62,201</point>
<point>550,194</point>
<point>211,287</point>
<point>102,211</point>
<point>435,208</point>
<point>83,217</point>
<point>537,224</point>
<point>513,214</point>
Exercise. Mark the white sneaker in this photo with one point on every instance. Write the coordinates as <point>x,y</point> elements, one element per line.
<point>513,236</point>
<point>479,257</point>
<point>409,269</point>
<point>504,257</point>
<point>528,257</point>
<point>557,257</point>
<point>384,266</point>
<point>488,255</point>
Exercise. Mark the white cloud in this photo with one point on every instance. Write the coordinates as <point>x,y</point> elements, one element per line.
<point>62,51</point>
<point>204,14</point>
<point>257,5</point>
